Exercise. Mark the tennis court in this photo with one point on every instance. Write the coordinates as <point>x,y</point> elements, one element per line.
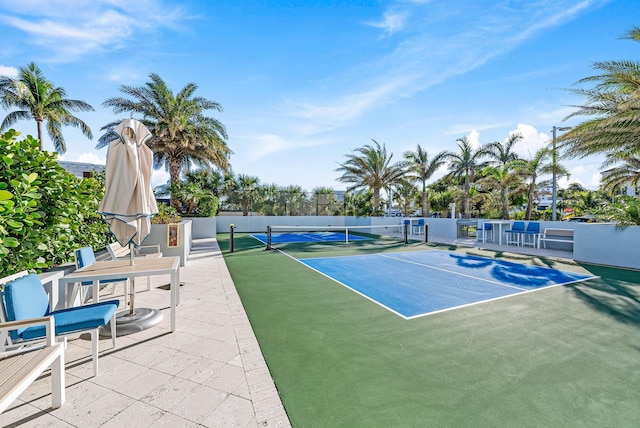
<point>418,283</point>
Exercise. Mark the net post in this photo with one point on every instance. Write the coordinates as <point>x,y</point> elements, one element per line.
<point>406,233</point>
<point>268,238</point>
<point>346,234</point>
<point>426,232</point>
<point>231,243</point>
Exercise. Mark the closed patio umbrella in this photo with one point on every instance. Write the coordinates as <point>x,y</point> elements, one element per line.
<point>129,203</point>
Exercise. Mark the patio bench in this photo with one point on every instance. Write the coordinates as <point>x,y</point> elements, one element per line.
<point>555,235</point>
<point>20,367</point>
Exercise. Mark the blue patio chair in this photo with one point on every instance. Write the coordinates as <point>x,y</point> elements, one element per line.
<point>25,298</point>
<point>513,234</point>
<point>418,228</point>
<point>86,257</point>
<point>531,234</point>
<point>486,233</point>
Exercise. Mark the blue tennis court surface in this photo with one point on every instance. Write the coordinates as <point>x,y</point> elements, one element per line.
<point>301,237</point>
<point>418,283</point>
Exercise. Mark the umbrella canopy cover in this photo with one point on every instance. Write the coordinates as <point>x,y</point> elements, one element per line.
<point>128,202</point>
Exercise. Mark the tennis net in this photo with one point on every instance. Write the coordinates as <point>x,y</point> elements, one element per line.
<point>278,235</point>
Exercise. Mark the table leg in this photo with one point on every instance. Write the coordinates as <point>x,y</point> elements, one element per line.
<point>175,284</point>
<point>96,291</point>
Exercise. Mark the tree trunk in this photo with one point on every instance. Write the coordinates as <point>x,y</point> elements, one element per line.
<point>376,199</point>
<point>527,215</point>
<point>505,202</point>
<point>425,206</point>
<point>467,199</point>
<point>39,124</point>
<point>174,174</point>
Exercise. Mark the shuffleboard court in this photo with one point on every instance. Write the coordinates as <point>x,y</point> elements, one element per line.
<point>414,284</point>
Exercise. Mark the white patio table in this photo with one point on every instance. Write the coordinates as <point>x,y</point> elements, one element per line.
<point>500,224</point>
<point>114,269</point>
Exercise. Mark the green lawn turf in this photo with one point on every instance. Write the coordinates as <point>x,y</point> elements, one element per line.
<point>560,357</point>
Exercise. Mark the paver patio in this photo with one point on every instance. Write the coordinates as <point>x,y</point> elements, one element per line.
<point>209,372</point>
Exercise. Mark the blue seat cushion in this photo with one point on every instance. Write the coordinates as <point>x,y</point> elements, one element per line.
<point>86,257</point>
<point>25,298</point>
<point>77,319</point>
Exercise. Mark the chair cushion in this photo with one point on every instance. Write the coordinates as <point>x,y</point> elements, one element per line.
<point>25,298</point>
<point>85,257</point>
<point>533,227</point>
<point>78,318</point>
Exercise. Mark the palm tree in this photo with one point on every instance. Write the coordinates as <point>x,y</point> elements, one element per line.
<point>243,190</point>
<point>295,199</point>
<point>38,99</point>
<point>182,134</point>
<point>404,195</point>
<point>530,171</point>
<point>371,170</point>
<point>502,153</point>
<point>614,105</point>
<point>325,200</point>
<point>583,202</point>
<point>500,178</point>
<point>464,165</point>
<point>423,168</point>
<point>621,175</point>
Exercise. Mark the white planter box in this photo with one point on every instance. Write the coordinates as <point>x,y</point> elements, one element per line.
<point>159,236</point>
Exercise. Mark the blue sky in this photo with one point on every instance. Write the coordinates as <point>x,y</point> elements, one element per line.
<point>303,83</point>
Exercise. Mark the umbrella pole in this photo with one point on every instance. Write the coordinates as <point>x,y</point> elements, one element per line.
<point>132,294</point>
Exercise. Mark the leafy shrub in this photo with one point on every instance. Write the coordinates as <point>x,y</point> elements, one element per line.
<point>166,215</point>
<point>45,212</point>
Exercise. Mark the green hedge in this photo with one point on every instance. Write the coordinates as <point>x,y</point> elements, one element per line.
<point>45,212</point>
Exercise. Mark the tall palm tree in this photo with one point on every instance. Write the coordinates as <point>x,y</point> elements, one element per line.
<point>372,169</point>
<point>530,170</point>
<point>464,165</point>
<point>37,98</point>
<point>614,105</point>
<point>422,168</point>
<point>182,134</point>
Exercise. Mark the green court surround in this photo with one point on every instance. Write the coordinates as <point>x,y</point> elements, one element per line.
<point>559,357</point>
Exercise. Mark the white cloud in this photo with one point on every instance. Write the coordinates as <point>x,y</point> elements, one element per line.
<point>431,53</point>
<point>8,71</point>
<point>391,22</point>
<point>474,139</point>
<point>159,177</point>
<point>72,29</point>
<point>531,142</point>
<point>91,157</point>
